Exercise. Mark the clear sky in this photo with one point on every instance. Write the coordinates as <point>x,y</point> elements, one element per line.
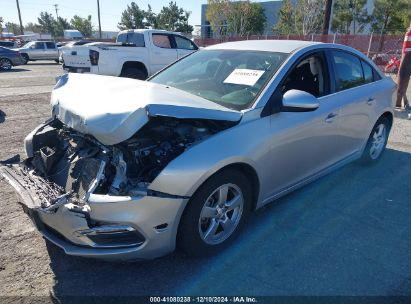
<point>110,9</point>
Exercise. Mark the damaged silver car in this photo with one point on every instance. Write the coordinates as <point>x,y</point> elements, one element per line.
<point>128,169</point>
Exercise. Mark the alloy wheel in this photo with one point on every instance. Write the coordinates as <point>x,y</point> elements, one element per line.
<point>5,64</point>
<point>221,214</point>
<point>378,141</point>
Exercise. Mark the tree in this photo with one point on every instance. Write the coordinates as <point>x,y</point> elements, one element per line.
<point>12,27</point>
<point>389,16</point>
<point>150,17</point>
<point>238,18</point>
<point>217,14</point>
<point>286,19</point>
<point>83,25</point>
<point>32,27</point>
<point>47,23</point>
<point>174,18</point>
<point>309,16</point>
<point>132,17</point>
<point>350,16</point>
<point>245,18</point>
<point>1,25</point>
<point>61,25</point>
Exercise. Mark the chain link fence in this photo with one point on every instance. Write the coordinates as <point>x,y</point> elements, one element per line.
<point>380,48</point>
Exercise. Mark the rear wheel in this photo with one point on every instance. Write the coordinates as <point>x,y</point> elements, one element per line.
<point>26,58</point>
<point>377,141</point>
<point>134,73</point>
<point>5,64</point>
<point>215,214</point>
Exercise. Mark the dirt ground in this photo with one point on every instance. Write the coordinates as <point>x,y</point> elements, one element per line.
<point>347,234</point>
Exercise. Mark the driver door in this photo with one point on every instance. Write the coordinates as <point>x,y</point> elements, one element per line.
<point>304,143</point>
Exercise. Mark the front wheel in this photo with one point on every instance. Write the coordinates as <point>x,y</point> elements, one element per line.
<point>215,214</point>
<point>377,141</point>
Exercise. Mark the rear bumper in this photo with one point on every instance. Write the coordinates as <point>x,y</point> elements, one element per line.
<point>153,220</point>
<point>73,69</point>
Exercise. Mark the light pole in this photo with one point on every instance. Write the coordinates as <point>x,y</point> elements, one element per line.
<point>21,23</point>
<point>98,14</point>
<point>327,16</point>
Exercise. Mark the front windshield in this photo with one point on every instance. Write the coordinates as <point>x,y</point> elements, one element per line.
<point>28,44</point>
<point>231,78</point>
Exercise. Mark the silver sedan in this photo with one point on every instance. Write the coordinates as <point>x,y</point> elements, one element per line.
<point>129,169</point>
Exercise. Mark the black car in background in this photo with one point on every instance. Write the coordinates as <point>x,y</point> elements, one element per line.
<point>9,58</point>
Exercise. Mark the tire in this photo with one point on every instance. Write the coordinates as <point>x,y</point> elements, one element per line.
<point>5,64</point>
<point>204,229</point>
<point>376,142</point>
<point>135,73</point>
<point>25,57</point>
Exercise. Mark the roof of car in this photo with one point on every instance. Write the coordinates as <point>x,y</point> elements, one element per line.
<point>281,46</point>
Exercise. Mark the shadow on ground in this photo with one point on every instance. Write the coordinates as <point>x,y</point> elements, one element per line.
<point>15,70</point>
<point>346,234</point>
<point>2,116</point>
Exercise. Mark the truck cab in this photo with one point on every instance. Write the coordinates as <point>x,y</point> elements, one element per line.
<point>136,54</point>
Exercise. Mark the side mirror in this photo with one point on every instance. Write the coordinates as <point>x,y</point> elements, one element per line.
<point>299,101</point>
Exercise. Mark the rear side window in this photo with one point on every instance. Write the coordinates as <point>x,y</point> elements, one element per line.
<point>131,38</point>
<point>162,41</point>
<point>50,45</point>
<point>7,43</point>
<point>368,72</point>
<point>184,43</point>
<point>348,70</point>
<point>39,45</point>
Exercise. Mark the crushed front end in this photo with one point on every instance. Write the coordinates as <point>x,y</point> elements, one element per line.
<point>94,200</point>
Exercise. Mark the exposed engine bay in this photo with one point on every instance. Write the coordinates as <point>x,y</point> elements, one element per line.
<point>66,163</point>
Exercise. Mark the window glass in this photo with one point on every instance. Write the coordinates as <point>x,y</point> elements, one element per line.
<point>309,75</point>
<point>368,72</point>
<point>348,70</point>
<point>162,41</point>
<point>183,43</point>
<point>39,45</point>
<point>133,38</point>
<point>231,78</point>
<point>50,45</point>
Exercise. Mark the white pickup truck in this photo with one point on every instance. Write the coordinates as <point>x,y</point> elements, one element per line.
<point>136,54</point>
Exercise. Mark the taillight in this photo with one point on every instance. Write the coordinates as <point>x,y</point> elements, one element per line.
<point>94,57</point>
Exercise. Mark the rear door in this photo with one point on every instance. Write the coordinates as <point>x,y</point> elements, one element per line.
<point>38,51</point>
<point>352,77</point>
<point>162,53</point>
<point>51,51</point>
<point>184,46</point>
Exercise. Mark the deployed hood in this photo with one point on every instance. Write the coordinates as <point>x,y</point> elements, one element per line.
<point>112,109</point>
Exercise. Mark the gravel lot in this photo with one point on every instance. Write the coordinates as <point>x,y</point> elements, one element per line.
<point>347,234</point>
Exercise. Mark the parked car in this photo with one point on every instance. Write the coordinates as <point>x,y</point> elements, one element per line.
<point>8,44</point>
<point>128,169</point>
<point>136,54</point>
<point>73,34</point>
<point>39,50</point>
<point>68,47</point>
<point>9,58</point>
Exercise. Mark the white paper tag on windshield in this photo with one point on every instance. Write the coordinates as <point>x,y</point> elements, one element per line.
<point>244,76</point>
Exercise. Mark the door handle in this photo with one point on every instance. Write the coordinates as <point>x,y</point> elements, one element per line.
<point>330,117</point>
<point>370,101</point>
